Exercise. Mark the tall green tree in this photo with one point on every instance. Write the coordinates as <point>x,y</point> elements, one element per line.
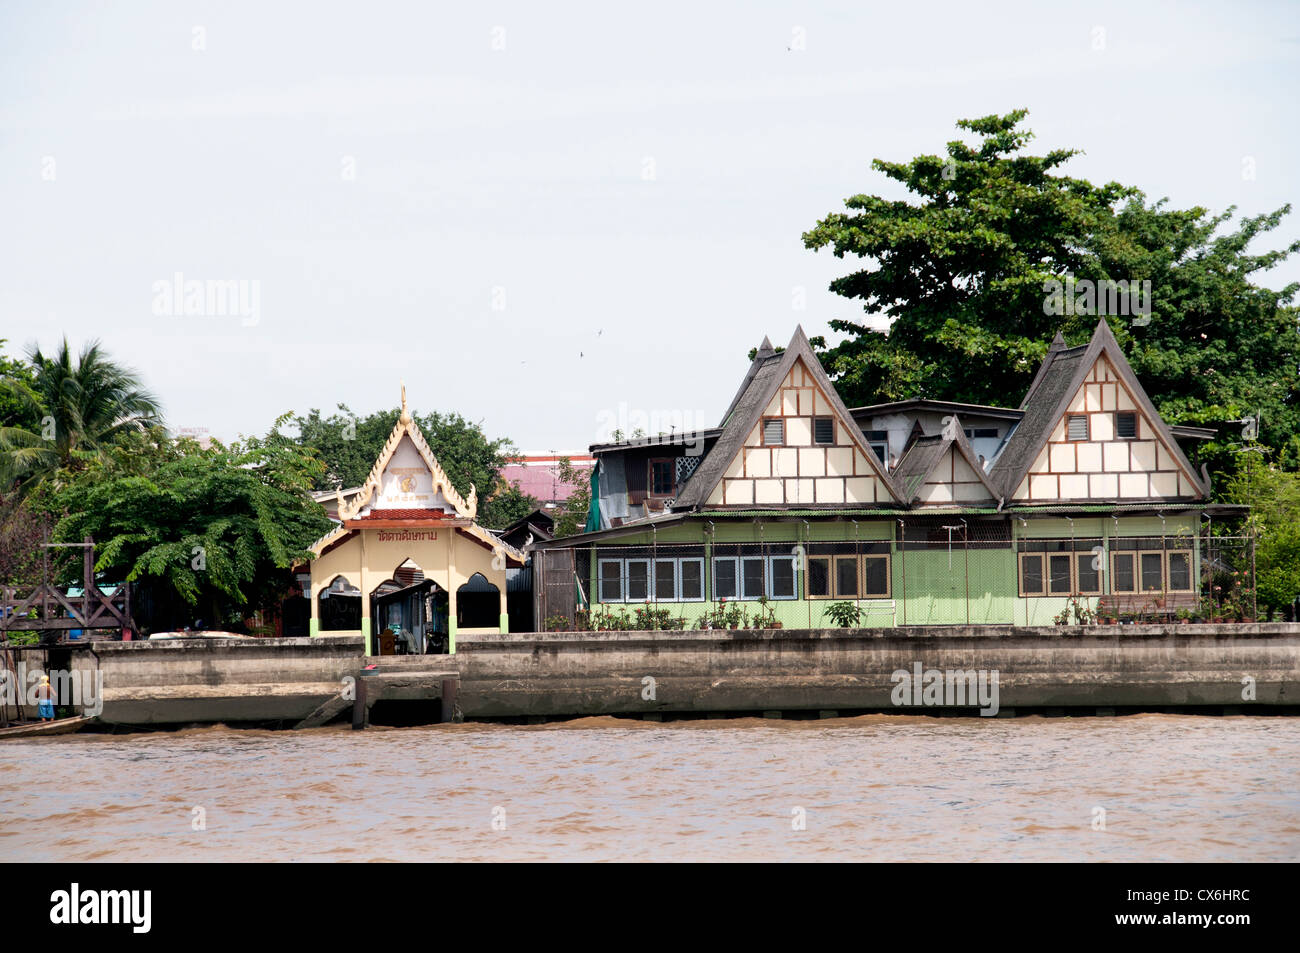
<point>962,270</point>
<point>208,532</point>
<point>348,446</point>
<point>71,412</point>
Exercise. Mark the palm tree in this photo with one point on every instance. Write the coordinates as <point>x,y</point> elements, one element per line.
<point>82,408</point>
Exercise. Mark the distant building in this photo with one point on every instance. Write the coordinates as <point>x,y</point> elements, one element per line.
<point>538,475</point>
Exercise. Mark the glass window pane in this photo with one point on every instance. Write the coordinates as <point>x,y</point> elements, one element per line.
<point>1123,579</point>
<point>638,580</point>
<point>724,579</point>
<point>1059,568</point>
<point>1151,576</point>
<point>753,570</point>
<point>611,581</point>
<point>819,577</point>
<point>876,570</point>
<point>846,577</point>
<point>1031,573</point>
<point>665,580</point>
<point>782,577</point>
<point>1180,571</point>
<point>692,579</point>
<point>1089,578</point>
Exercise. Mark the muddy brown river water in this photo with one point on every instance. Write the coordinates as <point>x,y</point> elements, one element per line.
<point>878,788</point>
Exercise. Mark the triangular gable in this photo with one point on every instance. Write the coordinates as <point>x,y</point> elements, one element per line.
<point>943,469</point>
<point>1040,463</point>
<point>743,470</point>
<point>408,476</point>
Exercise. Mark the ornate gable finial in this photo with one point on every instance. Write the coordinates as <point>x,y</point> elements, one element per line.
<point>406,414</point>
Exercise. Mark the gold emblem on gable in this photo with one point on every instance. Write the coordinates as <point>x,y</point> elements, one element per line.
<point>407,484</point>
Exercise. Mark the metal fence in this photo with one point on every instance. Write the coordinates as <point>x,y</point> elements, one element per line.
<point>944,574</point>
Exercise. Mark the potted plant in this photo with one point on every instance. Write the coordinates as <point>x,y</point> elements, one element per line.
<point>844,614</point>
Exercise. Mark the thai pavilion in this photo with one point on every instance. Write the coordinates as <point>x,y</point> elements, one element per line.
<point>407,566</point>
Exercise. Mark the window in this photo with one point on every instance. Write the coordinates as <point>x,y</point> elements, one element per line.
<point>875,575</point>
<point>666,580</point>
<point>1058,574</point>
<point>879,442</point>
<point>751,577</point>
<point>1076,426</point>
<point>663,474</point>
<point>1031,574</point>
<point>823,430</point>
<point>973,433</point>
<point>781,577</point>
<point>611,580</point>
<point>818,577</point>
<point>848,577</point>
<point>773,432</point>
<point>724,578</point>
<point>1087,579</point>
<point>1122,578</point>
<point>638,580</point>
<point>1126,425</point>
<point>661,580</point>
<point>1152,571</point>
<point>691,574</point>
<point>1180,572</point>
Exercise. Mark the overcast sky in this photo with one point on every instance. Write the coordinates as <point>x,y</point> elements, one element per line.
<point>542,220</point>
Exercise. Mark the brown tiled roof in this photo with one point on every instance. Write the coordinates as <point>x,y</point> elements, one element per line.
<point>405,515</point>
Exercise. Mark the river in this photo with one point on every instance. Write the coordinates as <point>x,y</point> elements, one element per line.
<point>877,787</point>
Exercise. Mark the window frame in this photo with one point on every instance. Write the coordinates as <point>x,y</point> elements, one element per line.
<point>1078,584</point>
<point>807,577</point>
<point>1191,570</point>
<point>831,560</point>
<point>735,567</point>
<point>1126,413</point>
<point>627,578</point>
<point>765,422</point>
<point>823,443</point>
<point>889,576</point>
<point>770,576</point>
<point>1042,575</point>
<point>650,477</point>
<point>1087,428</point>
<point>740,577</point>
<point>622,579</point>
<point>1115,555</point>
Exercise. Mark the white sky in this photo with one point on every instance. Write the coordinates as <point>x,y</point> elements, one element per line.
<point>520,172</point>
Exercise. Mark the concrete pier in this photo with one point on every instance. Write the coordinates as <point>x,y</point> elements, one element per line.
<point>1061,670</point>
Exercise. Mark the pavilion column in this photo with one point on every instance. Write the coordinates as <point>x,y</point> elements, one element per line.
<point>451,592</point>
<point>313,626</point>
<point>365,586</point>
<point>504,622</point>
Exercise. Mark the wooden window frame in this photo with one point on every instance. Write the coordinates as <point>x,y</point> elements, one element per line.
<point>1115,554</point>
<point>823,443</point>
<point>889,576</point>
<point>1047,575</point>
<point>830,579</point>
<point>1078,586</point>
<point>1191,570</point>
<point>650,477</point>
<point>1042,574</point>
<point>1164,582</point>
<point>1129,413</point>
<point>781,421</point>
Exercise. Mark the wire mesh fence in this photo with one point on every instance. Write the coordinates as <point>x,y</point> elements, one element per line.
<point>936,574</point>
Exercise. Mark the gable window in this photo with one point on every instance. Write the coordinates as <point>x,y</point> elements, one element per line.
<point>974,433</point>
<point>773,432</point>
<point>663,477</point>
<point>879,442</point>
<point>823,430</point>
<point>1126,425</point>
<point>1076,427</point>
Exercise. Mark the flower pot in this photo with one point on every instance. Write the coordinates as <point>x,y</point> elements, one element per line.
<point>778,625</point>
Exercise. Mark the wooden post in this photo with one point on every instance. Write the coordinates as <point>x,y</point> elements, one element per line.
<point>88,582</point>
<point>450,689</point>
<point>360,713</point>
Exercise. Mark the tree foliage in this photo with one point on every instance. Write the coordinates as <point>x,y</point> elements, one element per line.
<point>963,270</point>
<point>69,413</point>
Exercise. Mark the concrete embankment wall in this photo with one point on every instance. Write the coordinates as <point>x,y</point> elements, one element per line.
<point>566,674</point>
<point>183,681</point>
<point>836,669</point>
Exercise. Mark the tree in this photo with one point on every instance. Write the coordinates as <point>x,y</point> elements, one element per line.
<point>74,413</point>
<point>207,532</point>
<point>1274,498</point>
<point>573,518</point>
<point>348,446</point>
<point>964,274</point>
